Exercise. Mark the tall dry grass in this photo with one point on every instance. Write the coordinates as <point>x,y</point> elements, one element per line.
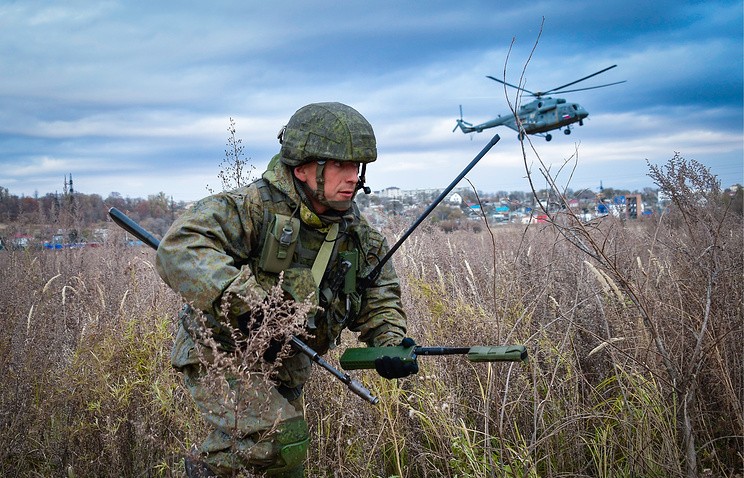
<point>636,359</point>
<point>597,397</point>
<point>635,356</point>
<point>87,389</point>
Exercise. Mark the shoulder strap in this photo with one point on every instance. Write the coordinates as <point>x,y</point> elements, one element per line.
<point>265,191</point>
<point>324,254</point>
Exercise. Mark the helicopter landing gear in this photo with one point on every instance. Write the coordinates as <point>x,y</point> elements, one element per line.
<point>548,137</point>
<point>566,131</point>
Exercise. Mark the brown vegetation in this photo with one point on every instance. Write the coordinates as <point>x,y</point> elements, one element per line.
<point>634,330</point>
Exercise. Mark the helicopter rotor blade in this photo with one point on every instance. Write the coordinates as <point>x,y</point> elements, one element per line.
<point>590,87</point>
<point>513,86</point>
<point>578,81</point>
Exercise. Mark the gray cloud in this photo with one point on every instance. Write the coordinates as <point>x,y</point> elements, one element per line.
<point>136,96</point>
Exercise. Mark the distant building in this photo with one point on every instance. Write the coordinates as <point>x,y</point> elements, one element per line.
<point>455,198</point>
<point>21,241</point>
<point>395,192</point>
<point>391,192</point>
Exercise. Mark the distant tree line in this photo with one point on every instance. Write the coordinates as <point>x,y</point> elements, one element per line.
<point>82,213</point>
<point>78,211</point>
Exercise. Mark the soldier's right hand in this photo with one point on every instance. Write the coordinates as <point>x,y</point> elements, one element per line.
<point>394,367</point>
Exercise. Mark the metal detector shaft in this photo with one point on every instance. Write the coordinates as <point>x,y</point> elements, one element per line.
<point>355,358</point>
<point>354,385</point>
<point>372,276</point>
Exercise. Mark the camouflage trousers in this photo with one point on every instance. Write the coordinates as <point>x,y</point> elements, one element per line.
<point>254,426</point>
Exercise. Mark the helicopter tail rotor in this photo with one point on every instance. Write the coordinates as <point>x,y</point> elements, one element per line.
<point>463,125</point>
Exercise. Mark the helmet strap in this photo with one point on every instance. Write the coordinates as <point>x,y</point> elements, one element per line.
<point>319,193</point>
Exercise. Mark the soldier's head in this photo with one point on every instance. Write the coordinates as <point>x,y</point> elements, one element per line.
<point>327,146</point>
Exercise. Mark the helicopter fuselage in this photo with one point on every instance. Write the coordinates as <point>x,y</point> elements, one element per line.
<point>539,116</point>
<point>547,114</point>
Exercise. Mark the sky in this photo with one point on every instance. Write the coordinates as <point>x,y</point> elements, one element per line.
<point>135,97</point>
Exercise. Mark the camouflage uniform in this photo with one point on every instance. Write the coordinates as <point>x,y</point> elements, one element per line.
<point>213,249</point>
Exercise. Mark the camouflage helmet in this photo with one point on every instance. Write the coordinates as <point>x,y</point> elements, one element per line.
<point>327,131</point>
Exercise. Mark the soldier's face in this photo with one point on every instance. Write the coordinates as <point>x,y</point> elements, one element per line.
<point>340,181</point>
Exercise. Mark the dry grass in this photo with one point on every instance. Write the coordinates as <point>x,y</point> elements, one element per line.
<point>87,389</point>
<point>607,390</point>
<point>628,358</point>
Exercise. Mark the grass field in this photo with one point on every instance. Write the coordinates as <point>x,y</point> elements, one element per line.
<point>634,330</point>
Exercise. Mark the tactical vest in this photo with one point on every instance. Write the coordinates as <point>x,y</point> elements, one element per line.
<point>290,246</point>
<point>285,244</point>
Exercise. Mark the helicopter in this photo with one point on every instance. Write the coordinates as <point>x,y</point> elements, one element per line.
<point>542,115</point>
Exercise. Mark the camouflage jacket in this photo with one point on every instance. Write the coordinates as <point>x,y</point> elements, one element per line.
<point>212,252</point>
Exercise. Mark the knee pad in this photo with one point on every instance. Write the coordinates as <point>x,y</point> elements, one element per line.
<point>291,443</point>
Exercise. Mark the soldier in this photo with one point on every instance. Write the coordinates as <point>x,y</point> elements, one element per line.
<point>298,220</point>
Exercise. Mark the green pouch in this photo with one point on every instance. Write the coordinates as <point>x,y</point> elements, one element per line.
<point>280,243</point>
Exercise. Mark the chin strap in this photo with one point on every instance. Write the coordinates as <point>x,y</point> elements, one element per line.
<point>320,180</point>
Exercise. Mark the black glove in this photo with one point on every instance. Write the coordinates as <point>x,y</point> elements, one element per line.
<point>394,367</point>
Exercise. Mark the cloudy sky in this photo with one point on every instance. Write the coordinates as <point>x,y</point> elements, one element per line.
<point>135,96</point>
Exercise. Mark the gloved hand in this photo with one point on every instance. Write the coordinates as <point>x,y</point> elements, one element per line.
<point>394,367</point>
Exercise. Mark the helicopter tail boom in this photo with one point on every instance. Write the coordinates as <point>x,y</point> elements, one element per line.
<point>470,128</point>
<point>466,127</point>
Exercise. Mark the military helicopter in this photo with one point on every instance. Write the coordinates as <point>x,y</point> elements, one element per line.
<point>542,115</point>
